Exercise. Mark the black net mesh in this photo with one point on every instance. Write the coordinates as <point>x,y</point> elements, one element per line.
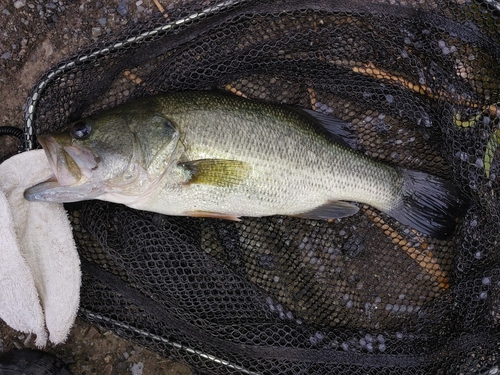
<point>419,83</point>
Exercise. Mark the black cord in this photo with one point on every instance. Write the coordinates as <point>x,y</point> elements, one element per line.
<point>12,131</point>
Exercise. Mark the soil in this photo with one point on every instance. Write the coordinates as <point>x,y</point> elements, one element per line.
<point>91,350</point>
<point>36,35</point>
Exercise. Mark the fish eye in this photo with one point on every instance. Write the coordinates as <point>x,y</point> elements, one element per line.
<point>81,129</point>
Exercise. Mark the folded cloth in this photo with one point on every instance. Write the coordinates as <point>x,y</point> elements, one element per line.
<point>39,266</point>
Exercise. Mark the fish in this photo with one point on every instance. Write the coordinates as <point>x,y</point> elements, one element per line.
<point>214,154</point>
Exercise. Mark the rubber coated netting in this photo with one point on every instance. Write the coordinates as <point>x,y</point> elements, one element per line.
<point>419,82</point>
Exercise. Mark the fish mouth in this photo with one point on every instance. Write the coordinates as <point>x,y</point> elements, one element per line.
<point>69,163</point>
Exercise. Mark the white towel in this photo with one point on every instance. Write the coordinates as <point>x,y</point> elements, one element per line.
<point>39,266</point>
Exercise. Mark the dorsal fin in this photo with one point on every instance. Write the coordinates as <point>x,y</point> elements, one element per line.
<point>334,128</point>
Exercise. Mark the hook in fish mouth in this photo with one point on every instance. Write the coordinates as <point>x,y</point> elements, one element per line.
<point>69,163</point>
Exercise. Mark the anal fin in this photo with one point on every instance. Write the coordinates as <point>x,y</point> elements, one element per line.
<point>330,210</point>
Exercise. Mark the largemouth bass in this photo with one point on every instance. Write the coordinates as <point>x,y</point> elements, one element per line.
<point>211,154</point>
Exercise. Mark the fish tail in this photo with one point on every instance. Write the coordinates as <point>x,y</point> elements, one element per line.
<point>428,204</point>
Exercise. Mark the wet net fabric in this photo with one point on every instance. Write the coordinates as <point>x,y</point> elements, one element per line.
<point>419,82</point>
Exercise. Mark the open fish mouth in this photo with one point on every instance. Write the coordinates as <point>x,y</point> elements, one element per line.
<point>72,166</point>
<point>68,163</point>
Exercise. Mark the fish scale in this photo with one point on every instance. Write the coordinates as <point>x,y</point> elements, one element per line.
<point>294,168</point>
<point>214,154</point>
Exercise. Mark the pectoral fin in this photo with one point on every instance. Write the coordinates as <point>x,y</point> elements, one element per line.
<point>330,210</point>
<point>218,172</point>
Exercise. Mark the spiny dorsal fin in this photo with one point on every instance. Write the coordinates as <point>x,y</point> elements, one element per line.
<point>218,172</point>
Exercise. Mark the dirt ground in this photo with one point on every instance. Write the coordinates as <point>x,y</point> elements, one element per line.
<point>91,350</point>
<point>35,35</point>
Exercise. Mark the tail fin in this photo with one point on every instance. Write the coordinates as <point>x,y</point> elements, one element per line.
<point>429,204</point>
